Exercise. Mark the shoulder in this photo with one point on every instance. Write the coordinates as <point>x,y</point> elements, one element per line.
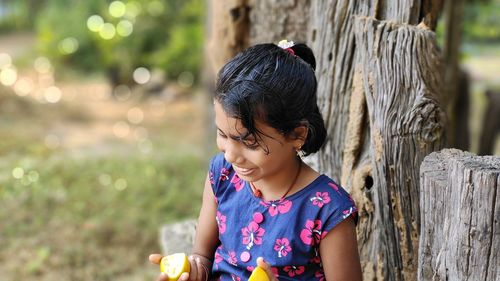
<point>219,171</point>
<point>335,202</point>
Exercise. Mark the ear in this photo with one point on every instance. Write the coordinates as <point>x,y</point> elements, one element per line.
<point>300,132</point>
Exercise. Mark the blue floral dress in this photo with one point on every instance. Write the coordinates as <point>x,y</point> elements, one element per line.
<point>286,232</point>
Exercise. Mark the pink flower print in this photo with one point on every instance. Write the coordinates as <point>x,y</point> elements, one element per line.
<point>224,174</point>
<point>275,271</point>
<point>334,186</point>
<point>320,199</point>
<point>250,268</point>
<point>294,270</point>
<point>282,246</point>
<point>237,182</point>
<point>278,207</point>
<point>235,278</point>
<point>221,222</point>
<point>211,177</point>
<point>316,259</point>
<point>232,258</point>
<point>218,256</point>
<point>348,212</point>
<point>311,235</point>
<point>252,234</point>
<point>320,274</point>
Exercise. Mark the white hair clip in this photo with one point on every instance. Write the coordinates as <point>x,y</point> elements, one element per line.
<point>284,44</point>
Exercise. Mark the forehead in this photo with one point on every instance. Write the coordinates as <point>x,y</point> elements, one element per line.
<point>225,122</point>
<point>231,125</point>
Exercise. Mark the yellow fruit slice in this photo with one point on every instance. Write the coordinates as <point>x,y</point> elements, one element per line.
<point>258,274</point>
<point>174,265</point>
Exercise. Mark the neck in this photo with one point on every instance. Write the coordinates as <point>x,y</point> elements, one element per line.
<point>281,184</point>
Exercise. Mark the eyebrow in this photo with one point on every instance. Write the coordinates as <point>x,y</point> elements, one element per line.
<point>243,136</point>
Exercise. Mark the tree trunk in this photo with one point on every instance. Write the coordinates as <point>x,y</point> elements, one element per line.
<point>460,230</point>
<point>457,135</point>
<point>401,82</point>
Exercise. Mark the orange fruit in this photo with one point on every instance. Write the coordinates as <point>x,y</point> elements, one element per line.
<point>174,265</point>
<point>258,274</point>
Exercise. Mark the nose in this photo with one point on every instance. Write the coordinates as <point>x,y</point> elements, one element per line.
<point>232,153</point>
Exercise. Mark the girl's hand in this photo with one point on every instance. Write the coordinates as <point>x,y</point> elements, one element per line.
<point>199,268</point>
<point>264,265</point>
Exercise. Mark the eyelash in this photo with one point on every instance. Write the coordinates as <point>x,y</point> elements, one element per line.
<point>254,146</point>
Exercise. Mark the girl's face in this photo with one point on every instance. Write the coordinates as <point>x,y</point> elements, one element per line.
<point>253,163</point>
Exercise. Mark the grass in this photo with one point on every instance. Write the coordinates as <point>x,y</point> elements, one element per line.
<point>65,216</point>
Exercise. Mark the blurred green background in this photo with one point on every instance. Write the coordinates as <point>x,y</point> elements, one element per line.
<point>102,135</point>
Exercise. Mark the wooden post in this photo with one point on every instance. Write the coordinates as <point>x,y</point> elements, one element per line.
<point>460,211</point>
<point>400,70</point>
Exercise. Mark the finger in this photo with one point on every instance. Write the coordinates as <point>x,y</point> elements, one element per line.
<point>155,258</point>
<point>162,277</point>
<point>264,265</point>
<point>193,268</point>
<point>184,276</point>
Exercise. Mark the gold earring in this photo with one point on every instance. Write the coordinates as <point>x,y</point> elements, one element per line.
<point>300,152</point>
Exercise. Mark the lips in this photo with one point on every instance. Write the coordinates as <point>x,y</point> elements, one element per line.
<point>242,171</point>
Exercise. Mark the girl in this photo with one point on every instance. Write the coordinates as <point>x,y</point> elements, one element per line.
<point>262,205</point>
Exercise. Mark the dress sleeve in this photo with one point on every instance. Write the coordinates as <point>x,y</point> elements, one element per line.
<point>343,206</point>
<point>216,171</point>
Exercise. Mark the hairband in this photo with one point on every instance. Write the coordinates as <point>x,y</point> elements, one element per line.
<point>287,46</point>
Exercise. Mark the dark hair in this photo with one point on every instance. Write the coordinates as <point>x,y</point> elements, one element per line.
<point>268,83</point>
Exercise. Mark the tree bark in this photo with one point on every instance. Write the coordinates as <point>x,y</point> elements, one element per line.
<point>457,134</point>
<point>273,21</point>
<point>401,80</point>
<point>229,27</point>
<point>460,229</point>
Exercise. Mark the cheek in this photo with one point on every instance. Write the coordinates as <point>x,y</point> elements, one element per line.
<point>220,143</point>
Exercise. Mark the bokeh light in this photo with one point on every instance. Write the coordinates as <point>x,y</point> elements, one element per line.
<point>23,86</point>
<point>52,94</point>
<point>105,179</point>
<point>121,129</point>
<point>133,9</point>
<point>120,184</point>
<point>122,92</point>
<point>141,75</point>
<point>124,28</point>
<point>5,60</point>
<point>185,79</point>
<point>117,9</point>
<point>95,23</point>
<point>33,176</point>
<point>135,115</point>
<point>68,45</point>
<point>18,172</point>
<point>107,31</point>
<point>8,76</point>
<point>42,65</point>
<point>156,8</point>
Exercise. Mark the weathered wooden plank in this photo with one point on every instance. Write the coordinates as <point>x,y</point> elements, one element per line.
<point>460,210</point>
<point>401,80</point>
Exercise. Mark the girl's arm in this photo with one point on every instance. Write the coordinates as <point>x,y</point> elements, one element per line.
<point>339,253</point>
<point>207,232</point>
<point>206,238</point>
